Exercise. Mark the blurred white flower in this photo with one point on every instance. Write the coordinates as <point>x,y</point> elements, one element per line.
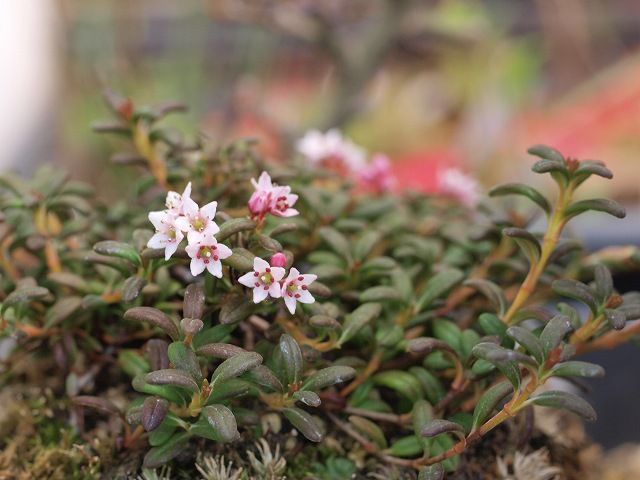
<point>456,183</point>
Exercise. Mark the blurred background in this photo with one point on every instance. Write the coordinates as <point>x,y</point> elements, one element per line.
<point>432,83</point>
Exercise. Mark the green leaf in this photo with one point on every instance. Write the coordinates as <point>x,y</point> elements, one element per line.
<point>154,317</point>
<point>230,389</point>
<point>381,294</point>
<point>61,310</point>
<point>131,288</point>
<point>235,366</point>
<point>402,382</point>
<point>329,376</point>
<point>217,423</point>
<point>527,242</point>
<point>132,362</point>
<point>437,286</point>
<point>439,426</point>
<point>426,345</point>
<point>241,260</point>
<point>307,397</point>
<point>503,359</point>
<point>401,280</point>
<point>233,226</point>
<point>406,447</point>
<point>370,430</point>
<point>431,385</point>
<point>111,248</point>
<point>158,456</point>
<point>365,244</point>
<point>616,318</point>
<point>214,334</point>
<point>171,393</point>
<point>603,283</point>
<point>264,377</point>
<point>193,303</point>
<point>154,411</point>
<point>184,358</point>
<point>529,341</point>
<point>566,401</point>
<point>172,376</point>
<point>304,423</point>
<point>576,290</point>
<point>289,361</point>
<point>547,153</point>
<point>449,333</point>
<point>597,204</point>
<point>554,332</point>
<point>357,319</point>
<point>235,307</point>
<point>337,241</point>
<point>490,290</point>
<point>219,350</point>
<point>523,190</point>
<point>268,243</point>
<point>24,295</point>
<point>593,167</point>
<point>575,368</point>
<point>489,402</point>
<point>492,325</point>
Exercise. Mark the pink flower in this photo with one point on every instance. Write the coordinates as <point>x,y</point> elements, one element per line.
<point>264,280</point>
<point>198,220</point>
<point>278,260</point>
<point>377,175</point>
<point>175,201</point>
<point>456,183</point>
<point>296,289</point>
<point>331,150</point>
<point>168,234</point>
<point>206,252</point>
<point>271,198</point>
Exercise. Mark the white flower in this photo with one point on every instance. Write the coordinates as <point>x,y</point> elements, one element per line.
<point>198,220</point>
<point>168,234</point>
<point>264,280</point>
<point>454,182</point>
<point>296,289</point>
<point>331,149</point>
<point>175,201</point>
<point>206,252</point>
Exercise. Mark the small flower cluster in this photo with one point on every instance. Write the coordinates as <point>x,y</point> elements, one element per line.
<point>271,198</point>
<point>183,216</point>
<point>456,183</point>
<point>333,151</point>
<point>268,280</point>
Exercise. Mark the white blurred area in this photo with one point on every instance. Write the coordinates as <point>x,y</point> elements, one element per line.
<point>28,81</point>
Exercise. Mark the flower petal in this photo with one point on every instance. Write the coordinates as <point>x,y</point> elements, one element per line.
<point>293,273</point>
<point>158,240</point>
<point>170,249</point>
<point>248,280</point>
<point>259,294</point>
<point>274,290</point>
<point>260,265</point>
<point>305,297</point>
<point>224,251</point>
<point>309,278</point>
<point>215,269</point>
<point>197,266</point>
<point>290,302</point>
<point>158,219</point>
<point>277,273</point>
<point>209,210</point>
<point>182,223</point>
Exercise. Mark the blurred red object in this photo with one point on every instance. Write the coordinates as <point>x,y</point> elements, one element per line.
<point>419,170</point>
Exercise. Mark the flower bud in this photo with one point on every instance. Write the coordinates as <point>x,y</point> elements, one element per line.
<point>278,260</point>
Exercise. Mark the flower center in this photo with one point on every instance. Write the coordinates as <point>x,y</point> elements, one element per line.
<point>208,253</point>
<point>198,223</point>
<point>282,204</point>
<point>266,278</point>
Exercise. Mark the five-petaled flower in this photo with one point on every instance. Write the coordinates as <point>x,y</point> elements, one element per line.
<point>206,252</point>
<point>296,289</point>
<point>198,221</point>
<point>168,234</point>
<point>271,198</point>
<point>264,280</point>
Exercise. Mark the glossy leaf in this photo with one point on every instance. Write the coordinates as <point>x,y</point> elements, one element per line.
<point>565,400</point>
<point>172,376</point>
<point>526,241</point>
<point>437,286</point>
<point>490,290</point>
<point>193,303</point>
<point>235,366</point>
<point>596,204</point>
<point>304,423</point>
<point>529,341</point>
<point>357,319</point>
<point>522,190</point>
<point>489,402</point>
<point>158,456</point>
<point>329,376</point>
<point>154,317</point>
<point>575,368</point>
<point>154,411</point>
<point>577,291</point>
<point>554,332</point>
<point>111,248</point>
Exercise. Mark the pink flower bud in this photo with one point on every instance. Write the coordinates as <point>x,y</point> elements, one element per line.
<point>278,260</point>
